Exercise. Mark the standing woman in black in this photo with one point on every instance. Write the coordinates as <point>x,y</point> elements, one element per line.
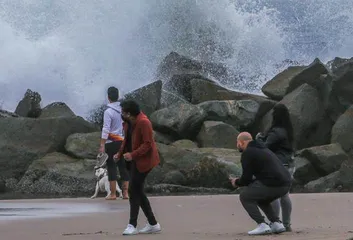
<point>279,139</point>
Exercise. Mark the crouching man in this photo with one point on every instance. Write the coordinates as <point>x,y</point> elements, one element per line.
<point>264,179</point>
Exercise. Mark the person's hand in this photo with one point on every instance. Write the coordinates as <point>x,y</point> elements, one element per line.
<point>259,135</point>
<point>232,181</point>
<point>101,149</point>
<point>116,157</point>
<point>127,156</point>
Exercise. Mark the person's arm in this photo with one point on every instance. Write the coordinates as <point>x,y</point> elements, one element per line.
<point>246,177</point>
<point>120,151</point>
<point>105,130</point>
<point>147,139</point>
<point>272,139</point>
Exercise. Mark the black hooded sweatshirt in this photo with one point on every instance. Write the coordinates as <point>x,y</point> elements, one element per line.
<point>277,141</point>
<point>257,160</point>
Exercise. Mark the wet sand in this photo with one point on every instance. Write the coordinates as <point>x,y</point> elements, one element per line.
<point>315,216</point>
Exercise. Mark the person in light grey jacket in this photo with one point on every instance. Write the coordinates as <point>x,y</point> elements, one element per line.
<point>111,140</point>
<point>279,139</point>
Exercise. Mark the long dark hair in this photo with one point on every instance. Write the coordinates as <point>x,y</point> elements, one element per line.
<point>281,118</point>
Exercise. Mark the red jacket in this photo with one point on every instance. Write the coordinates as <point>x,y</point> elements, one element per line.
<point>144,149</point>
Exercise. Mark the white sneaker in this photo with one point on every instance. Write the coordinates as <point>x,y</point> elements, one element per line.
<point>277,227</point>
<point>261,229</point>
<point>150,229</point>
<point>130,230</point>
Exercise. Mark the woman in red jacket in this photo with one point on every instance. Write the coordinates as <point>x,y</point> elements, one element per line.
<point>140,151</point>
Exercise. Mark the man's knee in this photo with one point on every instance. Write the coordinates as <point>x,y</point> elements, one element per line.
<point>244,196</point>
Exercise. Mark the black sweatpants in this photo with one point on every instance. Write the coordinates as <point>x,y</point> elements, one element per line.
<point>138,198</point>
<point>258,195</point>
<point>111,149</point>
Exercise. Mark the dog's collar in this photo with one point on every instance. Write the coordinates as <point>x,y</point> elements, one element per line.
<point>102,176</point>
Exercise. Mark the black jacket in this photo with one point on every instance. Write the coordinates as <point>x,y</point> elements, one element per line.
<point>277,141</point>
<point>257,160</point>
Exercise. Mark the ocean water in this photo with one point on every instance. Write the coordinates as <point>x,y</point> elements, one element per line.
<point>72,50</point>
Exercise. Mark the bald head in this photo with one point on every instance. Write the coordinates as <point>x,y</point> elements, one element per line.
<point>242,140</point>
<point>244,136</point>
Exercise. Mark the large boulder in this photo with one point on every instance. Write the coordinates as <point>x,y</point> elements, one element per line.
<point>202,91</point>
<point>337,87</point>
<point>278,86</point>
<point>29,106</point>
<point>345,179</point>
<point>339,65</point>
<point>83,145</point>
<point>175,177</point>
<point>217,134</point>
<point>148,97</point>
<point>325,159</point>
<point>226,155</point>
<point>293,77</point>
<point>240,114</point>
<point>180,84</point>
<point>174,158</point>
<point>175,64</point>
<point>23,140</point>
<point>305,171</point>
<point>156,176</point>
<point>57,109</point>
<point>245,113</point>
<point>169,98</point>
<point>184,143</point>
<point>59,175</point>
<point>209,172</point>
<point>327,183</point>
<point>342,131</point>
<point>218,110</point>
<point>320,134</point>
<point>180,120</point>
<point>342,87</point>
<point>3,187</point>
<point>195,166</point>
<point>163,138</point>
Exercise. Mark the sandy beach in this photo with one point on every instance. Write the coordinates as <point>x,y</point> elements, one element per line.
<point>315,216</point>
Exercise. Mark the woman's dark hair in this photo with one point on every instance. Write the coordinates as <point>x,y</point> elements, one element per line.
<point>113,94</point>
<point>281,118</point>
<point>130,106</point>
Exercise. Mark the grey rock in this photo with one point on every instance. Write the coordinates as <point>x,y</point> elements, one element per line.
<point>57,109</point>
<point>184,143</point>
<point>23,140</point>
<point>217,134</point>
<point>148,97</point>
<point>83,145</point>
<point>342,131</point>
<point>180,120</point>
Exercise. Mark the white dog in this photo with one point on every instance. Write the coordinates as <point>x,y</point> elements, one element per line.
<point>103,183</point>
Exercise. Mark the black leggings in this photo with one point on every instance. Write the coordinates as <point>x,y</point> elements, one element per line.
<point>138,198</point>
<point>111,149</point>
